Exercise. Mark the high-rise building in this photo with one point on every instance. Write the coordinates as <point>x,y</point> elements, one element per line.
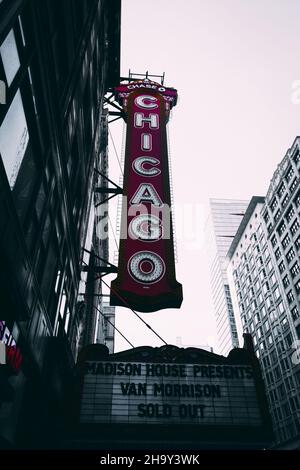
<point>57,61</point>
<point>265,280</point>
<point>105,333</point>
<point>224,219</point>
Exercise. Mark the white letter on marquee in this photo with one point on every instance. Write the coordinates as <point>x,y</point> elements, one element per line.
<point>139,119</point>
<point>146,267</point>
<point>138,166</point>
<point>146,193</point>
<point>146,142</point>
<point>145,227</point>
<point>140,102</point>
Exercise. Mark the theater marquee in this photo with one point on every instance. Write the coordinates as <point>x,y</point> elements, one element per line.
<point>162,393</point>
<point>146,278</point>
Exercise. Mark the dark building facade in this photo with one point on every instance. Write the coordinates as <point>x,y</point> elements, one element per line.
<point>57,60</point>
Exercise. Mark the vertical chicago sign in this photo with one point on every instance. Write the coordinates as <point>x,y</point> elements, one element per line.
<point>146,274</point>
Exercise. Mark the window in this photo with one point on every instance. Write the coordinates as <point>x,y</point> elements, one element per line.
<point>286,410</point>
<point>290,296</point>
<point>266,361</point>
<point>285,200</point>
<point>297,199</point>
<point>266,288</point>
<point>284,323</point>
<point>296,158</point>
<point>274,241</point>
<point>286,281</point>
<point>281,267</point>
<point>286,241</point>
<point>273,395</point>
<point>269,266</point>
<point>297,243</point>
<point>266,218</point>
<point>290,255</point>
<point>269,377</point>
<point>276,293</point>
<point>294,185</point>
<point>263,311</point>
<point>273,316</point>
<point>277,215</point>
<point>289,339</point>
<point>295,269</point>
<point>285,365</point>
<point>290,214</point>
<point>267,326</point>
<point>276,331</point>
<point>281,391</point>
<point>281,190</point>
<point>262,274</point>
<point>269,303</point>
<point>295,226</point>
<point>294,403</point>
<point>256,318</point>
<point>281,228</point>
<point>295,313</point>
<point>277,254</point>
<point>10,57</point>
<point>277,373</point>
<point>280,307</point>
<point>274,204</point>
<point>297,286</point>
<point>259,332</point>
<point>270,340</point>
<point>289,383</point>
<point>14,138</point>
<point>289,174</point>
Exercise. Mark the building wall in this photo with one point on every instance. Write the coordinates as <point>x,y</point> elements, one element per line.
<point>57,59</point>
<point>224,219</point>
<point>263,272</point>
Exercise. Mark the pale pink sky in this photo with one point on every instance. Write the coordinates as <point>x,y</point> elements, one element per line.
<point>233,63</point>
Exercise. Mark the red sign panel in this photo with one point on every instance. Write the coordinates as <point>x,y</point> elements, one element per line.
<point>146,274</point>
<point>13,356</point>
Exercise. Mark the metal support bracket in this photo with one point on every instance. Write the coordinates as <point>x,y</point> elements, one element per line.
<point>110,269</point>
<point>105,190</point>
